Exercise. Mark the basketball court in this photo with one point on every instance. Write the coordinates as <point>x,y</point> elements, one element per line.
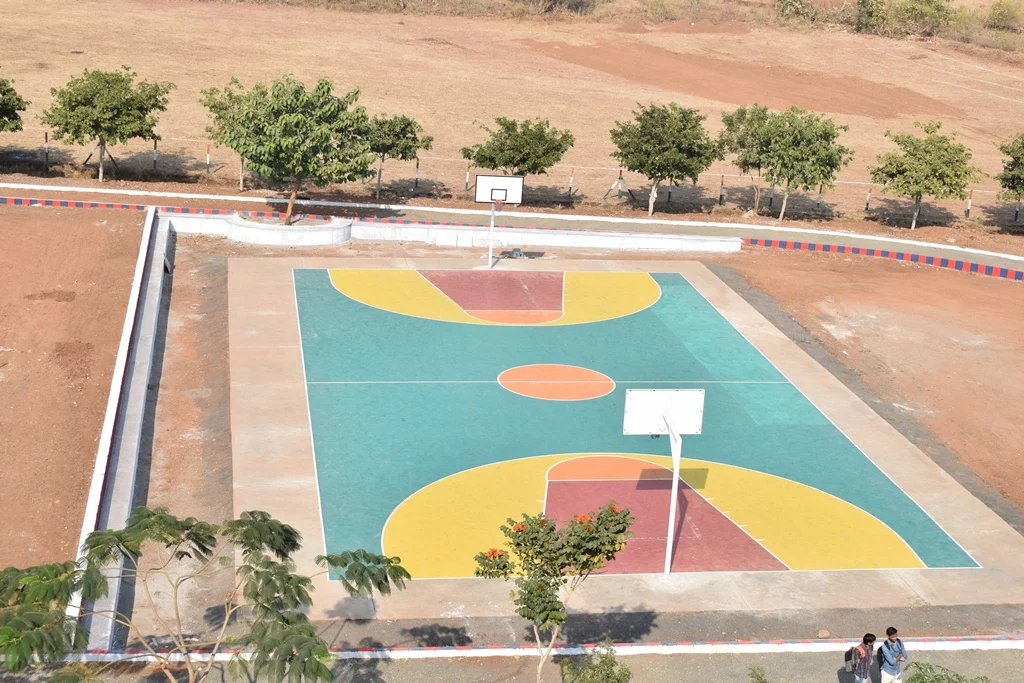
<point>410,408</point>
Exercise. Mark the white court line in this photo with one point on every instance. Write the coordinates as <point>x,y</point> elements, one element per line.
<point>552,381</point>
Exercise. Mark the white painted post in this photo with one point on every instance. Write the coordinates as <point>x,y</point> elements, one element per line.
<point>207,159</point>
<point>676,442</point>
<point>970,198</point>
<point>490,241</point>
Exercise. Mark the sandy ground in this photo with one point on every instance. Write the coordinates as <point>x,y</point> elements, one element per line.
<point>453,74</point>
<point>65,280</point>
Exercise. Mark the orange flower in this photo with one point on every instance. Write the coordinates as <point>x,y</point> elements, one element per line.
<point>615,509</point>
<point>584,518</point>
<point>494,553</point>
<point>518,527</point>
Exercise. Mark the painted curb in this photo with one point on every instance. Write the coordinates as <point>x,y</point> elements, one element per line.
<point>937,261</point>
<point>937,644</point>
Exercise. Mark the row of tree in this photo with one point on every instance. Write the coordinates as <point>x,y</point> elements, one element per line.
<point>289,136</point>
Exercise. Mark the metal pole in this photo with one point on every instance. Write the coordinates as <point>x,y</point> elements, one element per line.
<point>416,183</point>
<point>467,177</point>
<point>571,173</point>
<point>46,150</point>
<point>154,155</point>
<point>207,160</point>
<point>721,191</point>
<point>970,198</point>
<point>490,241</point>
<point>867,202</point>
<point>677,450</point>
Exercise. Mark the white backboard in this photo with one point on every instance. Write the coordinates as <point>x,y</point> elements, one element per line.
<point>646,409</point>
<point>505,188</point>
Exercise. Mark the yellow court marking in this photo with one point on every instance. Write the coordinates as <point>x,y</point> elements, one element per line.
<point>439,529</point>
<point>586,297</point>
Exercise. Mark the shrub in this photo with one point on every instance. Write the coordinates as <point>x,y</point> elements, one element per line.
<point>917,17</point>
<point>1004,15</point>
<point>796,9</point>
<point>757,675</point>
<point>870,16</point>
<point>931,673</point>
<point>602,668</point>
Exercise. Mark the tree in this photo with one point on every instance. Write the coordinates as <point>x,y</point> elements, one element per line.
<point>290,135</point>
<point>921,672</point>
<point>549,562</point>
<point>602,668</point>
<point>804,152</point>
<point>931,166</point>
<point>10,104</point>
<point>520,147</point>
<point>160,552</point>
<point>1012,177</point>
<point>665,143</point>
<point>108,107</point>
<point>397,137</point>
<point>745,135</point>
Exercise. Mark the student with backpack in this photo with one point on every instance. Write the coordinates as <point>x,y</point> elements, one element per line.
<point>891,657</point>
<point>858,659</point>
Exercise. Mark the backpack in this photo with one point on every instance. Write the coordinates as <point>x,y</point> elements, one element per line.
<point>850,659</point>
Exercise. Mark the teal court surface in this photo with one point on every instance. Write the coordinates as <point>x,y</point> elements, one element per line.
<point>412,409</point>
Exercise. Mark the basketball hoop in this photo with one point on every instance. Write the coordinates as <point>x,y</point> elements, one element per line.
<point>498,204</point>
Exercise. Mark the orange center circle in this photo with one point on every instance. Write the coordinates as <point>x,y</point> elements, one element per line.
<point>556,382</point>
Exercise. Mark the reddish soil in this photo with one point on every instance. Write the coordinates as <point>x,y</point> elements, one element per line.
<point>738,82</point>
<point>943,349</point>
<point>66,277</point>
<point>691,27</point>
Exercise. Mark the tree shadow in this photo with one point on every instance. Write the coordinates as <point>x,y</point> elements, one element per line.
<point>551,197</point>
<point>898,213</point>
<point>1000,216</point>
<point>438,635</point>
<point>619,626</point>
<point>360,670</point>
<point>32,162</point>
<point>170,166</point>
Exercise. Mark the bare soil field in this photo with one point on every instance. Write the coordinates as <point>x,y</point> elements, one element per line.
<point>453,74</point>
<point>65,278</point>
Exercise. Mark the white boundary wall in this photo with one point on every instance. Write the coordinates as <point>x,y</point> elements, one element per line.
<point>342,230</point>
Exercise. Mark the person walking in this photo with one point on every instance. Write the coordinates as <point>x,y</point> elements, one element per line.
<point>862,656</point>
<point>891,657</point>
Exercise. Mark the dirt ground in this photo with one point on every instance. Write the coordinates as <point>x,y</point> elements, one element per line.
<point>65,276</point>
<point>453,74</point>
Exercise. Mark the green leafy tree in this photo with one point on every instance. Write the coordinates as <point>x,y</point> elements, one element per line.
<point>549,562</point>
<point>804,152</point>
<point>163,554</point>
<point>665,143</point>
<point>870,16</point>
<point>107,107</point>
<point>1012,177</point>
<point>931,166</point>
<point>920,672</point>
<point>10,104</point>
<point>520,147</point>
<point>396,137</point>
<point>601,667</point>
<point>291,136</point>
<point>746,136</point>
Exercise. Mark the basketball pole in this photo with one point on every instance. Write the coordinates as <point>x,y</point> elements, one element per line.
<point>676,441</point>
<point>490,240</point>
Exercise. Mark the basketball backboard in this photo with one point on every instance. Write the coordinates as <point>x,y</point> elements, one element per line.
<point>646,410</point>
<point>499,188</point>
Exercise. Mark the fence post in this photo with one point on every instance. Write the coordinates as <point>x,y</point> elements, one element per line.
<point>1016,212</point>
<point>771,197</point>
<point>207,158</point>
<point>668,200</point>
<point>618,186</point>
<point>867,201</point>
<point>154,155</point>
<point>721,191</point>
<point>571,174</point>
<point>817,203</point>
<point>46,150</point>
<point>970,198</point>
<point>416,181</point>
<point>241,173</point>
<point>468,163</point>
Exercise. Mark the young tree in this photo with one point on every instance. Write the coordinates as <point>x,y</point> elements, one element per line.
<point>665,143</point>
<point>290,135</point>
<point>803,152</point>
<point>1012,177</point>
<point>745,135</point>
<point>548,563</point>
<point>10,104</point>
<point>162,553</point>
<point>108,107</point>
<point>520,147</point>
<point>931,166</point>
<point>397,137</point>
